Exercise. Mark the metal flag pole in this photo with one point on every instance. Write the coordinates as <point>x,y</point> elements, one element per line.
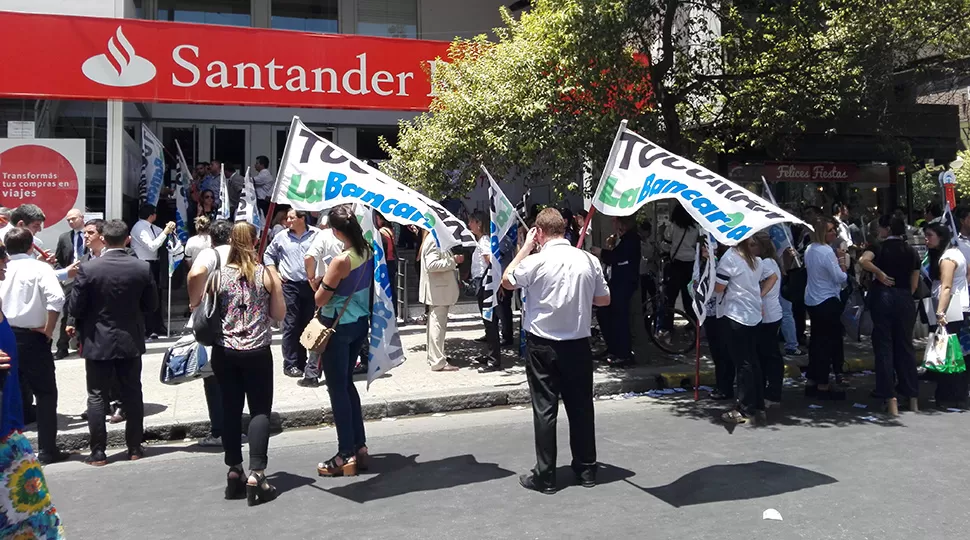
<point>787,231</point>
<point>168,327</point>
<point>606,173</point>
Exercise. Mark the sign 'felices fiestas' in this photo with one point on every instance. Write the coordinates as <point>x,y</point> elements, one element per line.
<point>317,174</point>
<point>639,171</point>
<point>386,351</point>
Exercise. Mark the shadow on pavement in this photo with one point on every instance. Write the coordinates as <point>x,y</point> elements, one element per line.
<point>795,410</point>
<point>736,482</point>
<point>284,481</point>
<point>605,474</point>
<point>395,474</point>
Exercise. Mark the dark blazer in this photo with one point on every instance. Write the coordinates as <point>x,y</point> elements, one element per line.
<point>624,260</point>
<point>109,296</point>
<point>64,253</point>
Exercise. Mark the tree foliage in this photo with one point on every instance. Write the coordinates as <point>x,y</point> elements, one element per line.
<point>543,100</point>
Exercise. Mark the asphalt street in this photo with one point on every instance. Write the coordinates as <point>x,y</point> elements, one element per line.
<point>669,470</point>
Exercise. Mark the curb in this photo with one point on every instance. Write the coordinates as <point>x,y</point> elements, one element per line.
<point>305,418</point>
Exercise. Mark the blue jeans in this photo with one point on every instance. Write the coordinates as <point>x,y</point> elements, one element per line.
<point>788,325</point>
<point>338,368</point>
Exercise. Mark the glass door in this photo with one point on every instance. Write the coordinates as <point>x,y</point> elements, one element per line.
<point>188,140</point>
<point>230,145</point>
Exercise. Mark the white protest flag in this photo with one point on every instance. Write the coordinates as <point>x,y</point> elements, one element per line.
<point>176,242</point>
<point>639,171</point>
<point>152,167</point>
<point>704,280</point>
<point>224,210</point>
<point>247,210</point>
<point>502,217</point>
<point>386,351</point>
<point>316,174</point>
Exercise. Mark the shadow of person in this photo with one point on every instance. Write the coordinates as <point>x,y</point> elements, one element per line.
<point>605,474</point>
<point>395,474</point>
<point>284,481</point>
<point>737,482</point>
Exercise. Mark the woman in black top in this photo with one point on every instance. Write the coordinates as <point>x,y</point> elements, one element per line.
<point>895,267</point>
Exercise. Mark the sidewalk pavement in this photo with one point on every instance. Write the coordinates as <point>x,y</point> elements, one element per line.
<point>179,412</point>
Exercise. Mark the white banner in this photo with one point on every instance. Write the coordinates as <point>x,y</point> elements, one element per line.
<point>316,174</point>
<point>247,210</point>
<point>639,171</point>
<point>386,351</point>
<point>182,178</point>
<point>152,167</point>
<point>502,216</point>
<point>223,197</point>
<point>703,287</point>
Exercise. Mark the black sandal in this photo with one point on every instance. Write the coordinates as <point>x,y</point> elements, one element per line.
<point>235,485</point>
<point>331,468</point>
<point>260,492</point>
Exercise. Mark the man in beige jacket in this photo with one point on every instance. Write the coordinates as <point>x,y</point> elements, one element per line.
<point>438,289</point>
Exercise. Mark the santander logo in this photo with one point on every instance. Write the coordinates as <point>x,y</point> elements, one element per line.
<point>121,67</point>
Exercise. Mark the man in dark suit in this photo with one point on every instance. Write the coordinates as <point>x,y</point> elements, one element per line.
<point>70,249</point>
<point>112,328</point>
<point>623,257</point>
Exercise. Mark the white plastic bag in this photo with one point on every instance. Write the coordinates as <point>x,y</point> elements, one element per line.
<point>936,343</point>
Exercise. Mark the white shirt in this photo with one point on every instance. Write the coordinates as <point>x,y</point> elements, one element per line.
<point>207,257</point>
<point>38,243</point>
<point>263,183</point>
<point>560,283</point>
<point>741,300</point>
<point>323,249</point>
<point>195,244</point>
<point>959,294</point>
<point>963,243</point>
<point>146,239</point>
<point>683,242</point>
<point>30,290</point>
<point>825,276</point>
<point>772,306</point>
<point>484,247</point>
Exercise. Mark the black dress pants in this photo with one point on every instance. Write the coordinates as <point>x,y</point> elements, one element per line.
<point>153,319</point>
<point>614,322</point>
<point>504,311</point>
<point>101,376</point>
<point>742,346</point>
<point>825,348</point>
<point>680,273</point>
<point>37,380</point>
<point>245,376</point>
<point>772,363</point>
<point>718,336</point>
<point>491,331</point>
<point>554,369</point>
<point>63,340</point>
<point>300,308</point>
<point>893,317</point>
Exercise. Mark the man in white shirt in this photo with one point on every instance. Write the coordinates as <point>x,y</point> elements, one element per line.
<point>263,183</point>
<point>32,301</point>
<point>146,239</point>
<point>840,212</point>
<point>31,217</point>
<point>562,285</point>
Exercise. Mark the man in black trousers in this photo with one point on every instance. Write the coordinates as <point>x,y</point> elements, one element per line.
<point>562,285</point>
<point>624,261</point>
<point>110,296</point>
<point>70,248</point>
<point>32,301</point>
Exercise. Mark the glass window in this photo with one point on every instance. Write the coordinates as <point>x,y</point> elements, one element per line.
<point>225,12</point>
<point>305,15</point>
<point>368,147</point>
<point>388,18</point>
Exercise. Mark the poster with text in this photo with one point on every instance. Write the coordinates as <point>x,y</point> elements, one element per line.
<point>47,172</point>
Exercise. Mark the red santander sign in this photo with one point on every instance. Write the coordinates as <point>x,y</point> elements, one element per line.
<point>67,57</point>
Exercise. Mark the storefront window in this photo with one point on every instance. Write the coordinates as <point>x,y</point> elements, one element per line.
<point>305,15</point>
<point>388,18</point>
<point>368,145</point>
<point>225,12</point>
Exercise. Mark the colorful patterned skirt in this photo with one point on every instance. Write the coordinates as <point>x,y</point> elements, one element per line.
<point>26,511</point>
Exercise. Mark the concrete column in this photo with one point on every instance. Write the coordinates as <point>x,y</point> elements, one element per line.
<point>261,11</point>
<point>114,179</point>
<point>347,16</point>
